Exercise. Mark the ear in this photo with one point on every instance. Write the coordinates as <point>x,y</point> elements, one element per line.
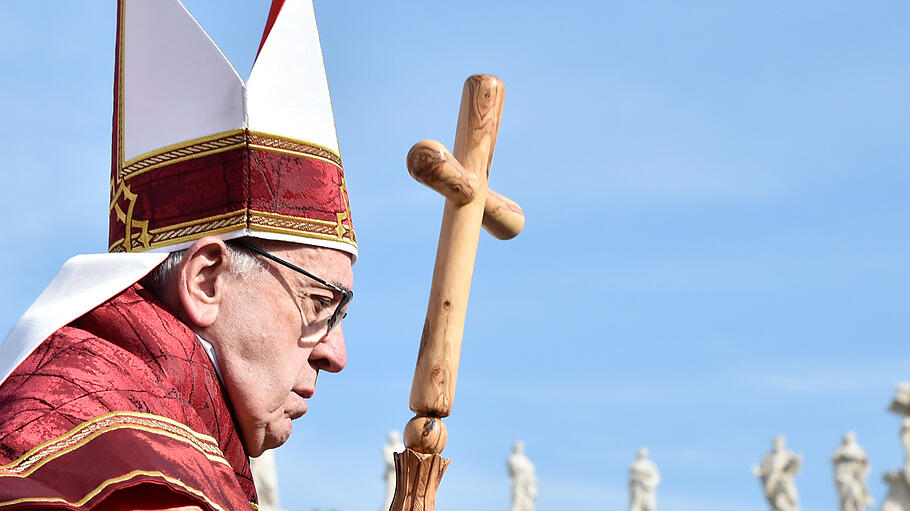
<point>201,280</point>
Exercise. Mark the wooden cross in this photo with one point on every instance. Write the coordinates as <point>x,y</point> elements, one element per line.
<point>462,179</point>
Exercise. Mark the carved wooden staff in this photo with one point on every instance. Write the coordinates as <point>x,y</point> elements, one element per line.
<point>462,179</point>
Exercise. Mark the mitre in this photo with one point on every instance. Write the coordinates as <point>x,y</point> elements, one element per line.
<point>197,152</point>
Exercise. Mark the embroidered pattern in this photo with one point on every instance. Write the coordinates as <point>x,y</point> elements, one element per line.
<point>139,235</point>
<point>342,230</point>
<point>134,230</point>
<point>265,141</point>
<point>221,142</point>
<point>126,477</point>
<point>184,151</point>
<point>85,432</point>
<point>187,230</point>
<point>197,227</point>
<point>319,229</point>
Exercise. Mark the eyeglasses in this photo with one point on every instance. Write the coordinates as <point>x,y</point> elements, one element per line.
<point>346,294</point>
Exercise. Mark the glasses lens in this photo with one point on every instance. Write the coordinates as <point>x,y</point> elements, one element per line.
<point>341,310</point>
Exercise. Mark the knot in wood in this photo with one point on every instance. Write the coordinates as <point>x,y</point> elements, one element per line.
<point>425,435</point>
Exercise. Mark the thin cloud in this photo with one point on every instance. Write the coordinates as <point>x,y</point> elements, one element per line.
<point>574,393</point>
<point>830,380</point>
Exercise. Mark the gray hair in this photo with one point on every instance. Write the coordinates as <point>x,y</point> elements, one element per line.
<point>241,262</point>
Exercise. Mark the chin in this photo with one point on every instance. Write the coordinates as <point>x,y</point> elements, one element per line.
<point>276,434</point>
<point>269,437</point>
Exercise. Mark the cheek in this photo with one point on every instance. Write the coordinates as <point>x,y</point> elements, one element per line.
<point>279,357</point>
<point>267,350</point>
<point>265,330</point>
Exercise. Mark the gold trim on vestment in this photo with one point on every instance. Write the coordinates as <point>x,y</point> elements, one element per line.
<point>221,142</point>
<point>137,235</point>
<point>121,87</point>
<point>126,217</point>
<point>94,493</point>
<point>287,145</point>
<point>291,218</point>
<point>77,437</point>
<point>258,220</point>
<point>217,224</point>
<point>192,223</point>
<point>176,233</point>
<point>340,228</point>
<point>182,151</point>
<point>306,227</point>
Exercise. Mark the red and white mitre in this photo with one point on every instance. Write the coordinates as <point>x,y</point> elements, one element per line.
<point>197,152</point>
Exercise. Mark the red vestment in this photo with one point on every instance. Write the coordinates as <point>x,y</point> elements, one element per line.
<point>120,407</point>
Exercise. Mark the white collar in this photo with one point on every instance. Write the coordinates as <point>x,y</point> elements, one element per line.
<point>210,351</point>
<point>84,282</point>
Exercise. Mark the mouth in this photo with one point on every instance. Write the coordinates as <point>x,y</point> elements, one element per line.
<point>298,413</point>
<point>296,407</point>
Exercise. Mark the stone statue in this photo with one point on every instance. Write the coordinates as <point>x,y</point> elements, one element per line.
<point>265,477</point>
<point>524,482</point>
<point>388,453</point>
<point>898,498</point>
<point>776,473</point>
<point>643,480</point>
<point>851,469</point>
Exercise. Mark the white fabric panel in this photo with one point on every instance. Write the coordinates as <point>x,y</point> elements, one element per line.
<point>288,93</point>
<point>84,282</point>
<point>210,351</point>
<point>177,85</point>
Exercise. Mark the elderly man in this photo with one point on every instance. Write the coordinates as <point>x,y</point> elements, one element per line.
<point>272,326</point>
<point>146,377</point>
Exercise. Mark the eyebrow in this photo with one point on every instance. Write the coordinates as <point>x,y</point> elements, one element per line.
<point>291,265</point>
<point>310,283</point>
<point>305,283</point>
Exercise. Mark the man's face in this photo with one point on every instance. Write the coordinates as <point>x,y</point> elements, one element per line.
<point>271,340</point>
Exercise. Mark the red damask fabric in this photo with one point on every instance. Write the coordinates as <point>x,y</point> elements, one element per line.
<point>123,401</point>
<point>263,190</point>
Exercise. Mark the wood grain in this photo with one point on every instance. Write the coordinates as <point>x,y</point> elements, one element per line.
<point>433,387</point>
<point>502,217</point>
<point>431,164</point>
<point>417,478</point>
<point>426,435</point>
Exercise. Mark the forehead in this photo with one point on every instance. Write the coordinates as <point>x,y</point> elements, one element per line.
<point>326,263</point>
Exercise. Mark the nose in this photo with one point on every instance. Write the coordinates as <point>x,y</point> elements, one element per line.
<point>330,354</point>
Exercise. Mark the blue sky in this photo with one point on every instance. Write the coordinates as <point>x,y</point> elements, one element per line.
<point>715,248</point>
